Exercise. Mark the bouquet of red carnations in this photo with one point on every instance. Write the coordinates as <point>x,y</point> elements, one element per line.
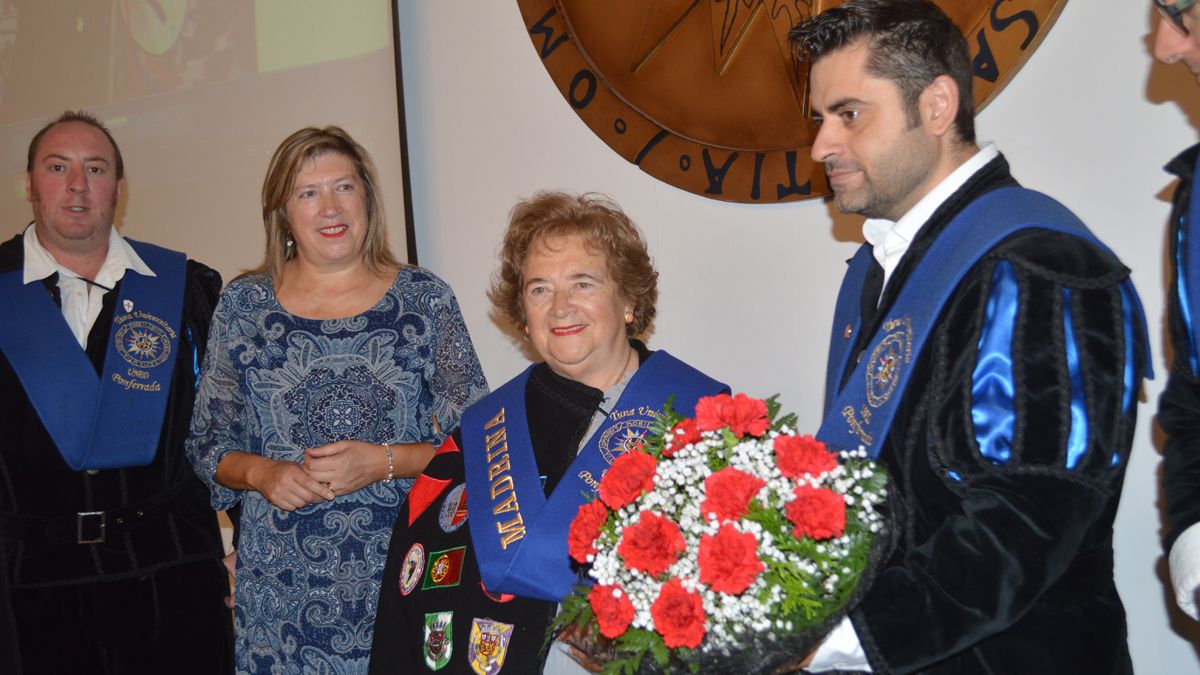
<point>727,542</point>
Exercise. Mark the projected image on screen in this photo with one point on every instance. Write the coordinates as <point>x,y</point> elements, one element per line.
<point>198,93</point>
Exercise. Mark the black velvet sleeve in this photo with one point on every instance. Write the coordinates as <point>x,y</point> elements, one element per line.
<point>1007,537</point>
<point>203,290</point>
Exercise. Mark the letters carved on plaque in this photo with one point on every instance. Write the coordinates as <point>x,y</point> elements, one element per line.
<point>706,94</point>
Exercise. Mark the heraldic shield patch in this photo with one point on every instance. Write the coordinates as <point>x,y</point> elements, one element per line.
<point>439,639</point>
<point>488,645</point>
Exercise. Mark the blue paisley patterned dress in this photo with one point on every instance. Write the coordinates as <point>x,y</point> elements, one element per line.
<point>275,384</point>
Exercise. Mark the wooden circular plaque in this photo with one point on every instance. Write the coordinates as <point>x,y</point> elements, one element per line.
<point>706,94</point>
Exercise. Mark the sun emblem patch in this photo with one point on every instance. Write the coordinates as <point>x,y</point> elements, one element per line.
<point>488,645</point>
<point>454,509</point>
<point>623,436</point>
<point>439,639</point>
<point>143,344</point>
<point>888,360</point>
<point>412,568</point>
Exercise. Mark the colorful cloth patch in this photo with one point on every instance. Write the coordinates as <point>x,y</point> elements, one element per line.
<point>439,639</point>
<point>445,568</point>
<point>488,645</point>
<point>412,568</point>
<point>454,509</point>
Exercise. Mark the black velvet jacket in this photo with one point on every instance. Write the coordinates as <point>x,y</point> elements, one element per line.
<point>1179,405</point>
<point>36,483</point>
<point>1006,567</point>
<point>560,411</point>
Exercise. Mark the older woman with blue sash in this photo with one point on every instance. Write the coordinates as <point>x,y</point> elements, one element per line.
<point>474,591</point>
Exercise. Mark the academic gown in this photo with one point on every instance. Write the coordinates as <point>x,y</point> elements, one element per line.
<point>1005,502</point>
<point>1179,405</point>
<point>79,608</point>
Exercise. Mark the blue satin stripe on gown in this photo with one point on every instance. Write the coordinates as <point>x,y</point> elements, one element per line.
<point>1077,440</point>
<point>992,380</point>
<point>1181,284</point>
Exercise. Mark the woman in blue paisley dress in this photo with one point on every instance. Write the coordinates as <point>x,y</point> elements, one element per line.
<point>331,374</point>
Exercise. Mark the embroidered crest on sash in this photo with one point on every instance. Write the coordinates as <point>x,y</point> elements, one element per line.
<point>439,639</point>
<point>454,509</point>
<point>889,358</point>
<point>445,568</point>
<point>624,435</point>
<point>412,568</point>
<point>488,645</point>
<point>142,339</point>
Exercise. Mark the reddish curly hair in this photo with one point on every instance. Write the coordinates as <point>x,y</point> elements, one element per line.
<point>604,227</point>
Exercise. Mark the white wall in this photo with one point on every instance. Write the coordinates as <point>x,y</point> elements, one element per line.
<point>747,291</point>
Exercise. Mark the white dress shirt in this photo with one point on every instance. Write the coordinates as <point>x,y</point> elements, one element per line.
<point>890,240</point>
<point>81,301</point>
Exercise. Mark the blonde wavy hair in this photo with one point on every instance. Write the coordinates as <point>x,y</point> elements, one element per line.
<point>286,163</point>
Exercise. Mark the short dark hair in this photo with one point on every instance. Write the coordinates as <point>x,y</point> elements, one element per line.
<point>83,117</point>
<point>912,42</point>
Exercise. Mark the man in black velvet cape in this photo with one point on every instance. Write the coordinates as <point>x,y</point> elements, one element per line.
<point>115,569</point>
<point>1176,41</point>
<point>1011,440</point>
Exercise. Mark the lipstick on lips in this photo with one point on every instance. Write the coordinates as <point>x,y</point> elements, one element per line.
<point>564,331</point>
<point>334,231</point>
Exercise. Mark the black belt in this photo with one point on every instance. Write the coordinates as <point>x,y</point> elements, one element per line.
<point>88,527</point>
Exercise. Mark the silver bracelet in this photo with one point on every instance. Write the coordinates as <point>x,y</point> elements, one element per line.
<point>387,447</point>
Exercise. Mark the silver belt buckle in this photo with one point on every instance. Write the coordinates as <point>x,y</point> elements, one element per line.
<point>90,521</point>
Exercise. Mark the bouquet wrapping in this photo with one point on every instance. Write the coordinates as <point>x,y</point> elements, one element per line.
<point>726,542</point>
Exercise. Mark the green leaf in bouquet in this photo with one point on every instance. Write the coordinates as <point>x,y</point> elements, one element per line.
<point>778,423</point>
<point>655,439</point>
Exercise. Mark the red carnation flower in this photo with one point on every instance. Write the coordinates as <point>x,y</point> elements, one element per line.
<point>729,560</point>
<point>652,544</point>
<point>628,476</point>
<point>682,434</point>
<point>798,455</point>
<point>742,414</point>
<point>581,538</point>
<point>727,493</point>
<point>614,612</point>
<point>817,513</point>
<point>678,616</point>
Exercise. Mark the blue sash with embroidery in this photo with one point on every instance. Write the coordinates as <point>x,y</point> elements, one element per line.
<point>112,419</point>
<point>520,536</point>
<point>1187,270</point>
<point>862,412</point>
